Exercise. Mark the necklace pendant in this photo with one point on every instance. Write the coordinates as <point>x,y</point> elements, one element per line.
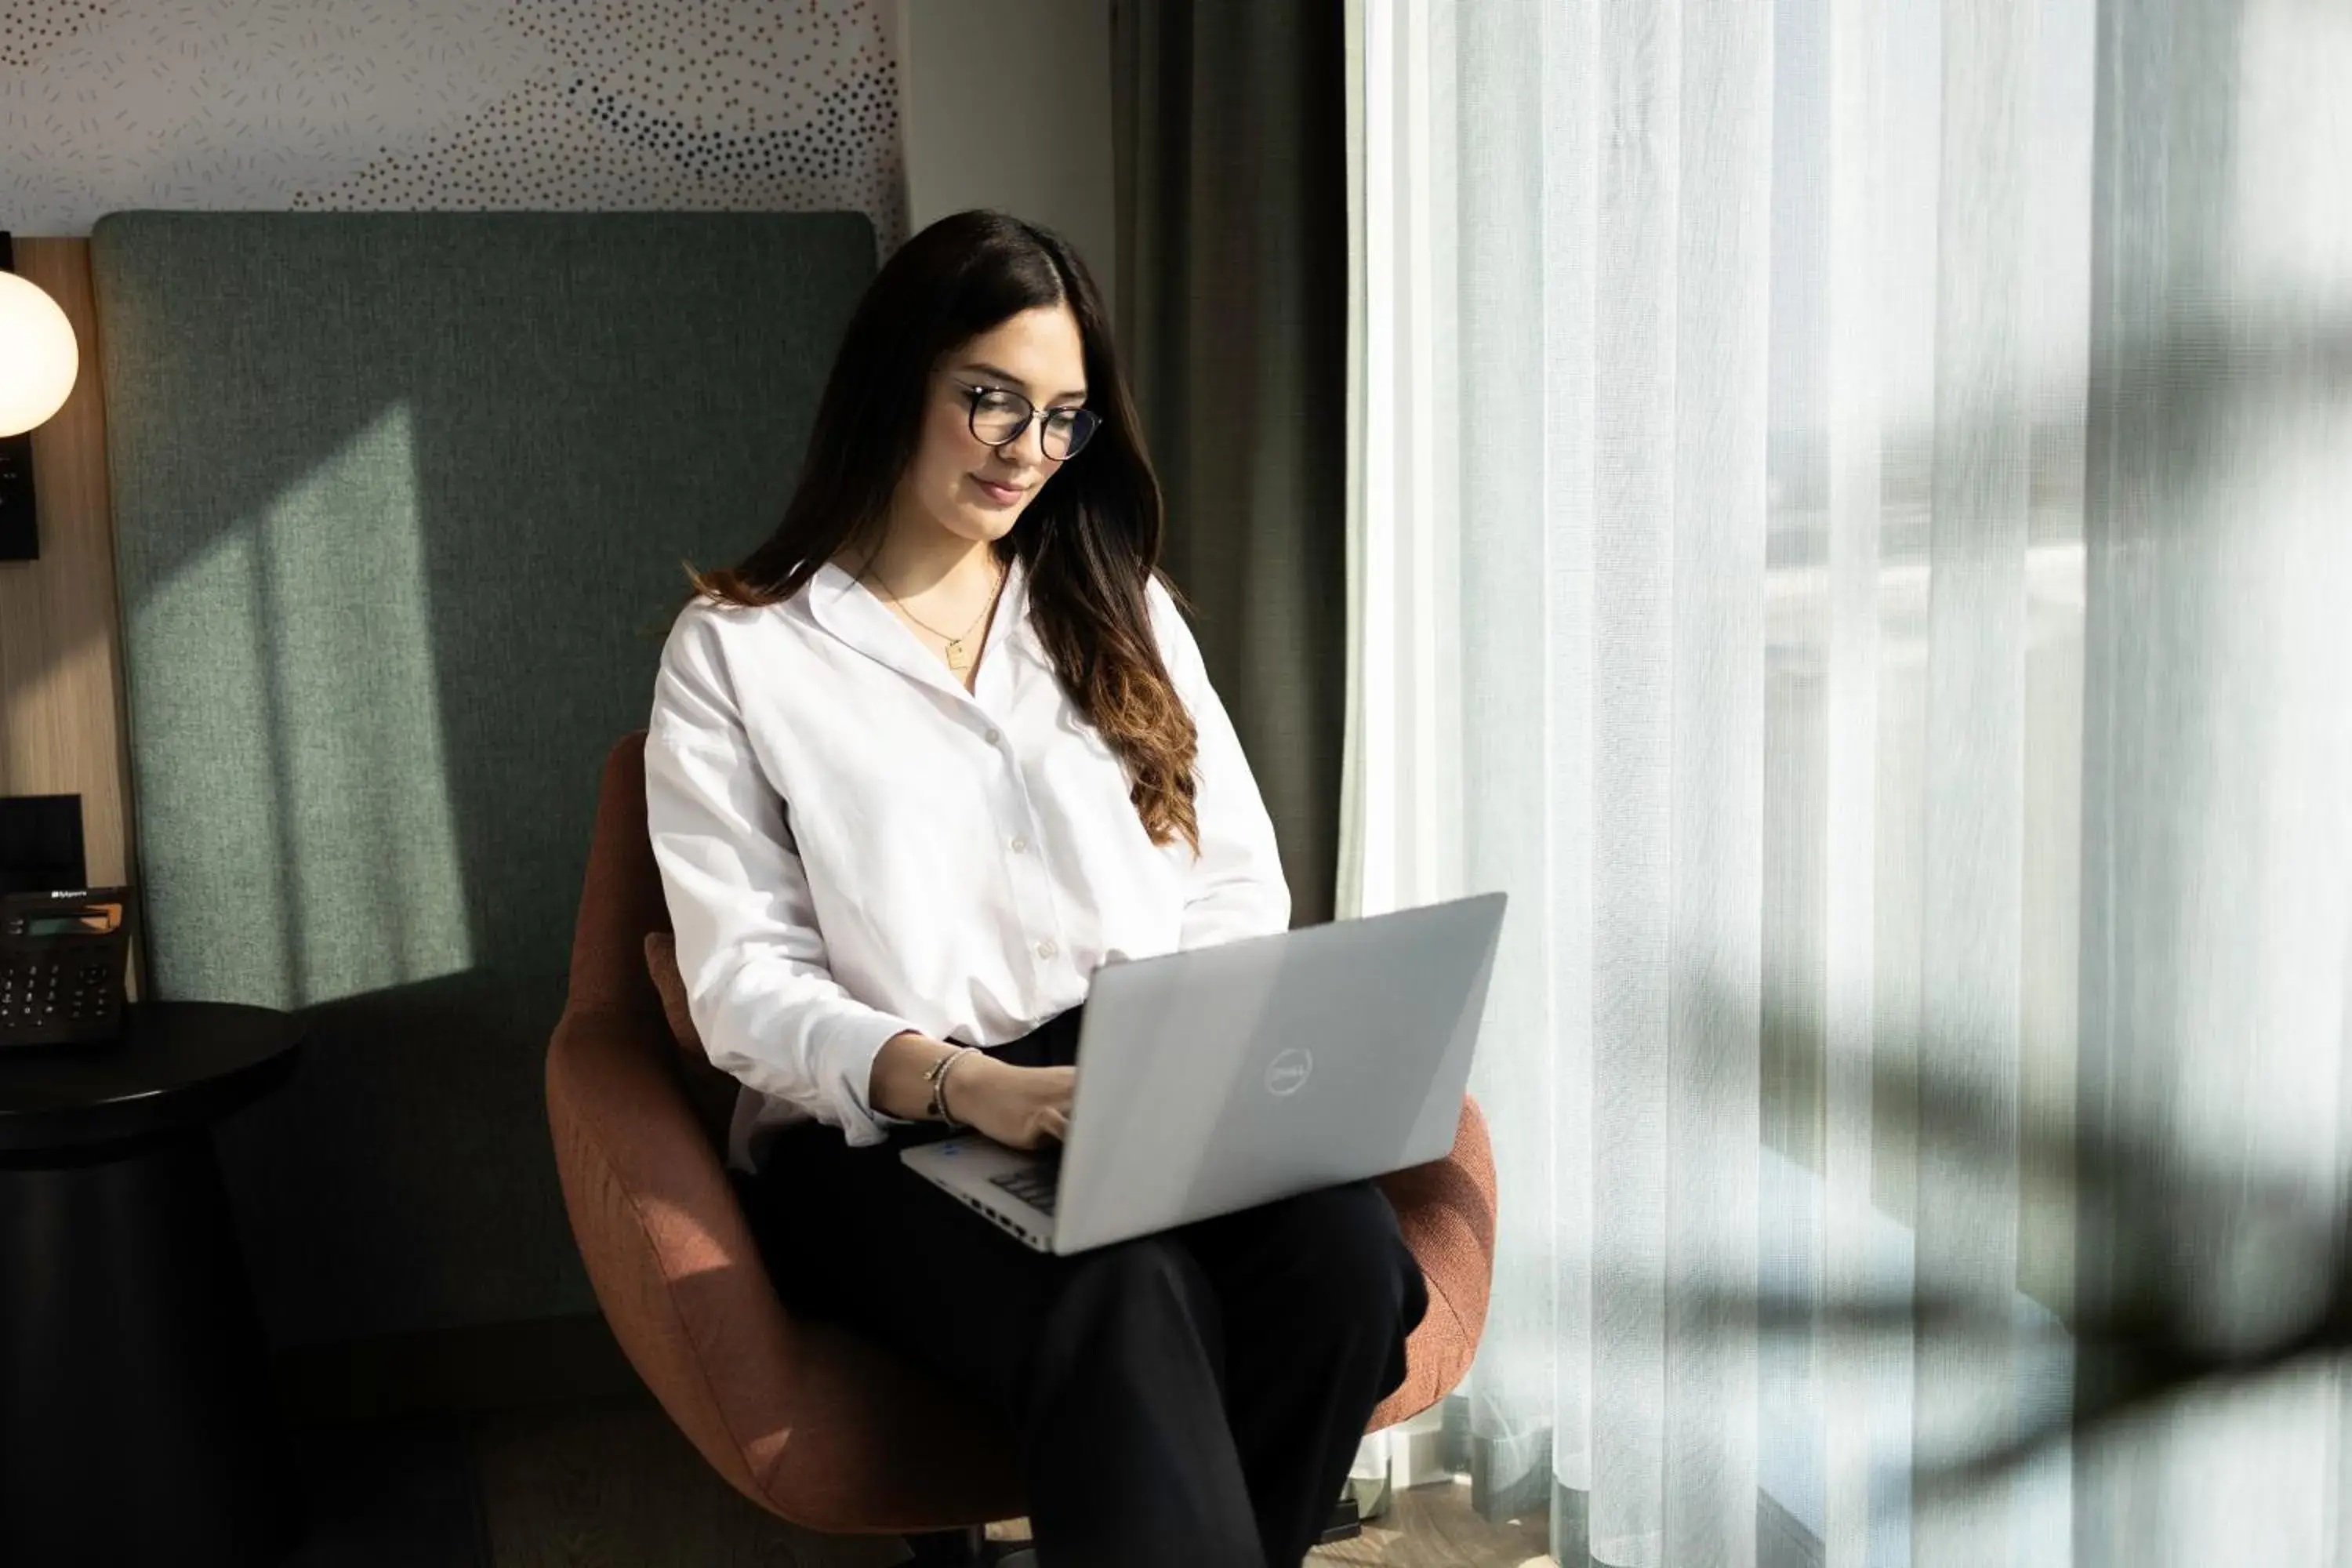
<point>956,657</point>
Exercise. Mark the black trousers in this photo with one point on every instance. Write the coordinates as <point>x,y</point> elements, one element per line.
<point>1194,1397</point>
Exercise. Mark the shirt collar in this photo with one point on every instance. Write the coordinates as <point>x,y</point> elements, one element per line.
<point>850,612</point>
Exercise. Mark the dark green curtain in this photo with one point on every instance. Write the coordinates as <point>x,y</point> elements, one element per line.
<point>1230,126</point>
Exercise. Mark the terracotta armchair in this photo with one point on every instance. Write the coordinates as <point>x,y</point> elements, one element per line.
<point>806,1419</point>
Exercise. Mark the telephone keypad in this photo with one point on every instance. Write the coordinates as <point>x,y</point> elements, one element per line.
<point>43,990</point>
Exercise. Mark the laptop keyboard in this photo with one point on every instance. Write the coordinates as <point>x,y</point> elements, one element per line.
<point>1032,1184</point>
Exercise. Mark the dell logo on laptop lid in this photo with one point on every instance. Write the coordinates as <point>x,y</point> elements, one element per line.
<point>1287,1074</point>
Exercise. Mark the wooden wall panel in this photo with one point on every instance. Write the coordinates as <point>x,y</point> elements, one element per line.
<point>62,707</point>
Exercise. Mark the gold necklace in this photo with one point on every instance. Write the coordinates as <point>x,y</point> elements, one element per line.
<point>957,659</point>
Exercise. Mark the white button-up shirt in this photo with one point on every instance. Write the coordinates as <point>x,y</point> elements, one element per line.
<point>853,845</point>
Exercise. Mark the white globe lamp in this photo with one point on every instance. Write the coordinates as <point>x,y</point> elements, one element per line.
<point>38,357</point>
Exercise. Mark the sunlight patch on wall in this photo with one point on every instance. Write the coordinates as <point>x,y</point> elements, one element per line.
<point>320,766</point>
<point>375,882</point>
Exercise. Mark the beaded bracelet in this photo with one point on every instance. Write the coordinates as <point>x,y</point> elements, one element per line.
<point>936,1076</point>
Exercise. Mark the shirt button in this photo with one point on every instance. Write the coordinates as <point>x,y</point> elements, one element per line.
<point>1020,845</point>
<point>1047,950</point>
<point>994,736</point>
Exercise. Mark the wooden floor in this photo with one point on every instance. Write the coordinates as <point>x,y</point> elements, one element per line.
<point>615,1486</point>
<point>1433,1527</point>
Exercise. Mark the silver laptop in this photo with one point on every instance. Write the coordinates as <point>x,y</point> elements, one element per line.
<point>1230,1075</point>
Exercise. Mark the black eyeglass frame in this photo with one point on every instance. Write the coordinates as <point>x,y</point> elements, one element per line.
<point>1085,422</point>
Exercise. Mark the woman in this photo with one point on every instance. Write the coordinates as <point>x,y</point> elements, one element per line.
<point>940,747</point>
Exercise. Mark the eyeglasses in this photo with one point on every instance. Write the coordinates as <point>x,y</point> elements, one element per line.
<point>1001,417</point>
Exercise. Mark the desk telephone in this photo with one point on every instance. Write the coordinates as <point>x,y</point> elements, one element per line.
<point>63,957</point>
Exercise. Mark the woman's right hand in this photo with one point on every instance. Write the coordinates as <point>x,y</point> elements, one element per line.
<point>1018,1107</point>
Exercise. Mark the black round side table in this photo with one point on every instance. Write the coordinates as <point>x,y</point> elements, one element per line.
<point>137,1418</point>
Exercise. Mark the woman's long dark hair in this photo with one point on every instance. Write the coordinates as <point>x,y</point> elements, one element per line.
<point>1090,538</point>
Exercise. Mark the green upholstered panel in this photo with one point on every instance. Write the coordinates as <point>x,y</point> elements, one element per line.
<point>400,503</point>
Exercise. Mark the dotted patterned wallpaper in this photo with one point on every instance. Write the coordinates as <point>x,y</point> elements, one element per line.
<point>766,105</point>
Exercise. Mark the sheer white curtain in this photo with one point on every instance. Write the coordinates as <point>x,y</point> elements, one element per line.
<point>1849,529</point>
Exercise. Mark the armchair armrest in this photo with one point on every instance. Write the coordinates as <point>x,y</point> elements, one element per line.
<point>1446,1209</point>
